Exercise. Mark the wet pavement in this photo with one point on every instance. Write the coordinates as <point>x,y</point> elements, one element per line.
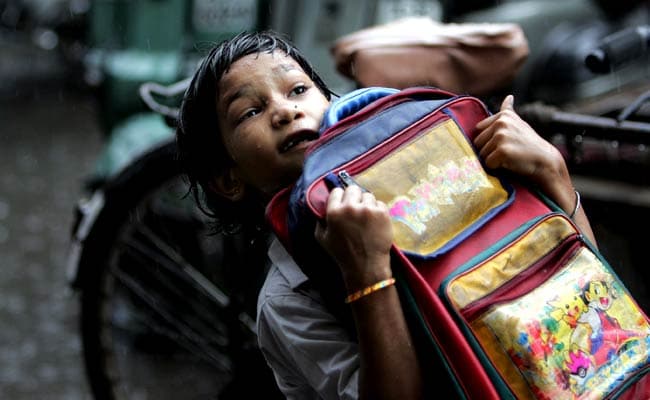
<point>48,141</point>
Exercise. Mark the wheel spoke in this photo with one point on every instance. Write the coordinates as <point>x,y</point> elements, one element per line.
<point>175,263</point>
<point>184,330</point>
<point>175,295</point>
<point>158,319</point>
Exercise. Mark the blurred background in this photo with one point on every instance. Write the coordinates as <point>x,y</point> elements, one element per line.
<point>69,77</point>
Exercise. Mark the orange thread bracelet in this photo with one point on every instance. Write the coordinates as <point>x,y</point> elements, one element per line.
<point>370,289</point>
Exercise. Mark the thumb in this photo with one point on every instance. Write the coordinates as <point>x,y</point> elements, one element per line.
<point>508,103</point>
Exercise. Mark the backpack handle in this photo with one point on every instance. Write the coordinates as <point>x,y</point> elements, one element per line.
<point>352,102</point>
<point>355,100</point>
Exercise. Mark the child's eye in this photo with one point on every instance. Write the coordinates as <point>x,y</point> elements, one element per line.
<point>248,114</point>
<point>299,89</point>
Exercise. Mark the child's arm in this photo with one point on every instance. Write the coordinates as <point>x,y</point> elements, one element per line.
<point>358,234</point>
<point>506,141</point>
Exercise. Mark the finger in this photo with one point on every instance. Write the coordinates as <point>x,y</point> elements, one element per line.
<point>335,197</point>
<point>486,146</point>
<point>484,123</point>
<point>382,206</point>
<point>352,194</point>
<point>490,160</point>
<point>508,103</point>
<point>483,137</point>
<point>368,198</point>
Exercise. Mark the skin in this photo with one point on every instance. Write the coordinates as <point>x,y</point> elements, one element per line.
<point>266,102</point>
<point>267,99</point>
<point>506,141</point>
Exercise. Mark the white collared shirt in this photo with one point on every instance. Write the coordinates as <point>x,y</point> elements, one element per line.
<point>311,354</point>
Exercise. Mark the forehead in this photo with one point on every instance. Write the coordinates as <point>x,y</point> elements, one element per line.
<point>252,67</point>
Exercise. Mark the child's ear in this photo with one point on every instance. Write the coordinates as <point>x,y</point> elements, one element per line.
<point>228,185</point>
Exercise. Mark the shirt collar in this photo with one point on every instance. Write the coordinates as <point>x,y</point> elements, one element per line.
<point>280,257</point>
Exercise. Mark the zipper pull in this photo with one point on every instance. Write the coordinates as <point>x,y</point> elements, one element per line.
<point>346,180</point>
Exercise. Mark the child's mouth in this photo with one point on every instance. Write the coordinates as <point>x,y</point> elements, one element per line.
<point>296,139</point>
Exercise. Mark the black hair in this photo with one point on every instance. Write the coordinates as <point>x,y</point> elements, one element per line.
<point>201,151</point>
<point>203,155</point>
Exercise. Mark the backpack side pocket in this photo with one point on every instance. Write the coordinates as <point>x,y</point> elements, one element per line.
<point>550,316</point>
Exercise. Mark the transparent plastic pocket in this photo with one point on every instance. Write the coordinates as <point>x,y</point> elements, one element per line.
<point>436,188</point>
<point>551,317</point>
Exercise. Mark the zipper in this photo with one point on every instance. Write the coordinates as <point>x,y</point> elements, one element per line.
<point>397,140</point>
<point>347,180</point>
<point>342,128</point>
<point>529,279</point>
<point>363,161</point>
<point>369,158</point>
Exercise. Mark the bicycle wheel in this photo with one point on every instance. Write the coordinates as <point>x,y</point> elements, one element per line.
<point>165,312</point>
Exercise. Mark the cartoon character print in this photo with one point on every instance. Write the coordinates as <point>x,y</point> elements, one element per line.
<point>583,340</point>
<point>576,362</point>
<point>607,337</point>
<point>596,337</point>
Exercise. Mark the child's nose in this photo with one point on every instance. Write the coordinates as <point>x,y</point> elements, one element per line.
<point>285,111</point>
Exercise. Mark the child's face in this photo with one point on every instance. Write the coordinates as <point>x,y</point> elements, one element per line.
<point>269,112</point>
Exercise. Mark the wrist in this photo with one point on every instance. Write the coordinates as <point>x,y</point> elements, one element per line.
<point>555,182</point>
<point>359,275</point>
<point>370,289</point>
<point>577,205</point>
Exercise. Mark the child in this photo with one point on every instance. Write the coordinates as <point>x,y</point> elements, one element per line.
<point>252,108</point>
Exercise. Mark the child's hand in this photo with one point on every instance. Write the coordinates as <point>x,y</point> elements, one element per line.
<point>358,235</point>
<point>506,141</point>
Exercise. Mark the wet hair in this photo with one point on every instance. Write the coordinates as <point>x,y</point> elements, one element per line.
<point>201,151</point>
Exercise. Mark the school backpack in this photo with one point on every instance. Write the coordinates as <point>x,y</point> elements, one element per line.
<point>496,280</point>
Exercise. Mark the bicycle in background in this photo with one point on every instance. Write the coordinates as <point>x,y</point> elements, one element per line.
<point>167,309</point>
